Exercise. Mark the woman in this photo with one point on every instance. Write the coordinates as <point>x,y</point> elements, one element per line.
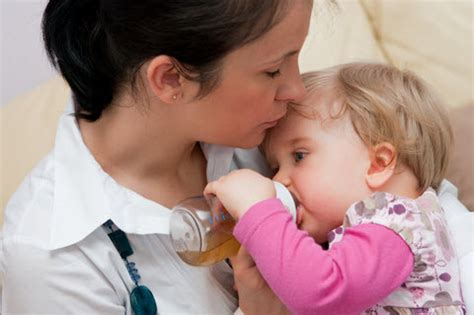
<point>162,90</point>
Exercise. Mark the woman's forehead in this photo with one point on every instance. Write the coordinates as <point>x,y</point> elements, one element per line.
<point>285,39</point>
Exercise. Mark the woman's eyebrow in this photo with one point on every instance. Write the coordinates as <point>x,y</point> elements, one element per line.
<point>288,54</point>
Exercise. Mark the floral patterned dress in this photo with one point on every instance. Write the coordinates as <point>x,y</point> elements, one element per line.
<point>433,287</point>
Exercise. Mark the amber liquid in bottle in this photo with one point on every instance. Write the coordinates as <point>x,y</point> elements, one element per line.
<point>217,241</point>
<point>228,248</point>
<point>201,229</point>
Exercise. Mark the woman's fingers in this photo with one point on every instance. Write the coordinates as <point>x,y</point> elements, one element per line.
<point>255,296</point>
<point>246,274</point>
<point>243,259</point>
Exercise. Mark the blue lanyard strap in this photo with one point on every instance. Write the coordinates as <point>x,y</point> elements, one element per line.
<point>141,298</point>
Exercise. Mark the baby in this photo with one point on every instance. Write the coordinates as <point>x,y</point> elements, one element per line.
<point>362,156</point>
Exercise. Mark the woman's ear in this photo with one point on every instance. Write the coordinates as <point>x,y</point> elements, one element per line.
<point>383,161</point>
<point>163,79</point>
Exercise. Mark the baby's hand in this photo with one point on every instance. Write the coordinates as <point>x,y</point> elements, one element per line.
<point>240,189</point>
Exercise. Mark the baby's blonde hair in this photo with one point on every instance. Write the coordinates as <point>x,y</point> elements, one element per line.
<point>386,104</point>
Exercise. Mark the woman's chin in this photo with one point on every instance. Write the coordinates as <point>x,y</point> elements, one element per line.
<point>250,142</point>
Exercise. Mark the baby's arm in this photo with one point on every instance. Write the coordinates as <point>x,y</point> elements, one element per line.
<point>241,189</point>
<point>367,265</point>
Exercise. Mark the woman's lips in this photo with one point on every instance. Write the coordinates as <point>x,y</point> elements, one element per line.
<point>273,123</point>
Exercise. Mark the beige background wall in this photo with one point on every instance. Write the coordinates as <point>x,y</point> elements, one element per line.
<point>23,62</point>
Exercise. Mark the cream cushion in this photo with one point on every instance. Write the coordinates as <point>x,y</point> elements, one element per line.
<point>28,126</point>
<point>432,38</point>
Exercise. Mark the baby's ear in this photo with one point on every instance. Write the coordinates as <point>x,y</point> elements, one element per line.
<point>383,160</point>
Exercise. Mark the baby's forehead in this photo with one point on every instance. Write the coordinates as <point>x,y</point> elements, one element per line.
<point>293,125</point>
<point>321,112</point>
<point>318,104</point>
<point>307,121</point>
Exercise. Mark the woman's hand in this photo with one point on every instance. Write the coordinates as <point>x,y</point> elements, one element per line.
<point>240,189</point>
<point>255,296</point>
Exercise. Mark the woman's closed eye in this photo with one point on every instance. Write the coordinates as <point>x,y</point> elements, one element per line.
<point>273,74</point>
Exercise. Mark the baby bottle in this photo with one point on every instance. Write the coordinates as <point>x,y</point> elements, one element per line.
<point>201,229</point>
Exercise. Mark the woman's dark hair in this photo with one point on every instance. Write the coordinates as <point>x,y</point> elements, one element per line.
<point>100,45</point>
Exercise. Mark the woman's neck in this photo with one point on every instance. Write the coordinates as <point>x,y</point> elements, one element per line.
<point>146,152</point>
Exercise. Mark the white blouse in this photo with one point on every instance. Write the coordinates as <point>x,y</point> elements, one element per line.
<point>57,258</point>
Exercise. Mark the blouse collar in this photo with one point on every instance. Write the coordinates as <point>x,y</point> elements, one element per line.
<point>85,196</point>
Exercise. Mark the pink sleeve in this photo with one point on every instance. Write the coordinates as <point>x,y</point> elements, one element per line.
<point>364,267</point>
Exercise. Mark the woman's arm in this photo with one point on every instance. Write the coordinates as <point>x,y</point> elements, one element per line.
<point>255,296</point>
<point>366,266</point>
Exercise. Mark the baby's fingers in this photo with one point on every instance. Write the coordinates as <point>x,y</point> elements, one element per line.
<point>210,189</point>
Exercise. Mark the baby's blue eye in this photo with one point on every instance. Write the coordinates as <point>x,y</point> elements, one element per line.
<point>299,156</point>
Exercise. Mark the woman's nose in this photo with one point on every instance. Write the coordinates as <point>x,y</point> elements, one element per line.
<point>293,90</point>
